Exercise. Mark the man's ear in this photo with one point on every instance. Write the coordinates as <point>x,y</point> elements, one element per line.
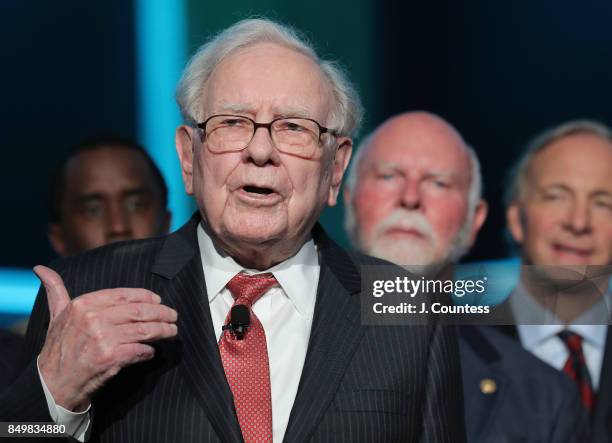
<point>341,161</point>
<point>57,239</point>
<point>515,222</point>
<point>480,215</point>
<point>184,141</point>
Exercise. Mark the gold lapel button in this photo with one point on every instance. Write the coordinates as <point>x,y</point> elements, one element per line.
<point>488,386</point>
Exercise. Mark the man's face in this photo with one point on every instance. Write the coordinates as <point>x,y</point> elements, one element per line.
<point>565,215</point>
<point>110,194</point>
<point>411,199</point>
<point>260,196</point>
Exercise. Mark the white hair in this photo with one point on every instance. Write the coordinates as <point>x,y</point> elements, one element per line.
<point>346,112</point>
<point>519,174</point>
<point>350,221</point>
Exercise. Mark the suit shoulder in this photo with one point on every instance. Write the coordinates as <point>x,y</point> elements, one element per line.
<point>493,348</point>
<point>112,265</point>
<point>131,249</point>
<point>366,260</point>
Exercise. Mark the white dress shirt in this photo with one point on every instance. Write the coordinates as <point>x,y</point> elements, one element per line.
<point>76,423</point>
<point>542,339</point>
<point>285,313</point>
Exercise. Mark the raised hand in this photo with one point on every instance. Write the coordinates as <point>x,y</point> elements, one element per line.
<point>93,336</point>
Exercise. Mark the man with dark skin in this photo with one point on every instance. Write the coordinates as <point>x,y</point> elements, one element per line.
<point>107,189</point>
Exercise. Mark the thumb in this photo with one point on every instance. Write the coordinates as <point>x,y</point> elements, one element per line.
<point>57,295</point>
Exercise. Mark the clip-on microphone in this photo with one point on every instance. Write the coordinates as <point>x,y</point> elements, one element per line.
<point>240,320</point>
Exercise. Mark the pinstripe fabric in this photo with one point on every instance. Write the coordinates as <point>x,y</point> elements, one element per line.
<point>376,384</point>
<point>358,384</point>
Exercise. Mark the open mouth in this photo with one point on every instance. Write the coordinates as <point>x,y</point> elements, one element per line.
<point>257,190</point>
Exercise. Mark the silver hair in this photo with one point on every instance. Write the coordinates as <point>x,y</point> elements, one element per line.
<point>347,110</point>
<point>350,222</point>
<point>519,174</point>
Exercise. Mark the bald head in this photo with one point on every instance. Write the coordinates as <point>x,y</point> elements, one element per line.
<point>414,192</point>
<point>407,133</point>
<point>421,130</point>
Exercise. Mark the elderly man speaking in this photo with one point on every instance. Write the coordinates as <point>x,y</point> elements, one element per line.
<point>245,324</point>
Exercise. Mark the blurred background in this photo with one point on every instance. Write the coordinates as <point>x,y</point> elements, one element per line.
<point>499,71</point>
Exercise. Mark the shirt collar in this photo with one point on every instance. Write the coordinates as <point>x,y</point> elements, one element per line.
<point>533,335</point>
<point>527,312</point>
<point>594,334</point>
<point>296,275</point>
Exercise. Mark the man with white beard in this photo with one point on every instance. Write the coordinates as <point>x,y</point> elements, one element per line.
<point>413,197</point>
<point>417,209</point>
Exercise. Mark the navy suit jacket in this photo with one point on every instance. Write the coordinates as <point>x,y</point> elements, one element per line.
<point>358,384</point>
<point>524,399</point>
<point>601,421</point>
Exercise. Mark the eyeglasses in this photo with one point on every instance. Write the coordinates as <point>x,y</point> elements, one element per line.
<point>291,135</point>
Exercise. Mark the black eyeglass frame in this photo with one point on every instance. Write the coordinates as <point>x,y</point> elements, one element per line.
<point>268,126</point>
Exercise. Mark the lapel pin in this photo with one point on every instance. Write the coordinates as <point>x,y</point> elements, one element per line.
<point>488,386</point>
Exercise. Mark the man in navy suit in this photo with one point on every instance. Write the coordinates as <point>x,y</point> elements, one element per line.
<point>166,337</point>
<point>414,197</point>
<point>559,211</point>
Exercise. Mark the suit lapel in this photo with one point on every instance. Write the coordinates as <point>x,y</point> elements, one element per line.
<point>335,334</point>
<point>602,417</point>
<point>179,263</point>
<point>483,401</point>
<point>507,323</point>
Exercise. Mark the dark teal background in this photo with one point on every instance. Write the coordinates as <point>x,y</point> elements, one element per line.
<point>499,71</point>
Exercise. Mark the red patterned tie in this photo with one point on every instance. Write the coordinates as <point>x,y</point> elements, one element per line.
<point>246,361</point>
<point>575,367</point>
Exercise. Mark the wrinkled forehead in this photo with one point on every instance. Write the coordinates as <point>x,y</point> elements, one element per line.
<point>270,77</point>
<point>416,156</point>
<point>580,161</point>
<point>107,169</point>
<point>294,110</point>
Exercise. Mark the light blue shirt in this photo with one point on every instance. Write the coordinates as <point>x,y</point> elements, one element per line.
<point>542,340</point>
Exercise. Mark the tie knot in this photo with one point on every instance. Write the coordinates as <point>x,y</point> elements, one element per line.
<point>247,289</point>
<point>572,340</point>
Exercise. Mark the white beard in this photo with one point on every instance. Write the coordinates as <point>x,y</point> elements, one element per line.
<point>418,255</point>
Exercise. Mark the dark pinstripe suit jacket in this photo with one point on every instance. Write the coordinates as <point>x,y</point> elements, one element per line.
<point>359,384</point>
